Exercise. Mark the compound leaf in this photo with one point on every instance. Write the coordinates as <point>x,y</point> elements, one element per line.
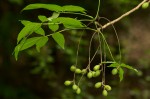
<point>59,38</point>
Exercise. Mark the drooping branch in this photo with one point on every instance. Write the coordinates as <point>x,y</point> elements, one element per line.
<point>124,15</point>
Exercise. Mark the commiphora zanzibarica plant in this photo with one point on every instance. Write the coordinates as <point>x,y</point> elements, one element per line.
<point>27,39</point>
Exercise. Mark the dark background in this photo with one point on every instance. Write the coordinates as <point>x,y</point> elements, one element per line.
<point>41,75</point>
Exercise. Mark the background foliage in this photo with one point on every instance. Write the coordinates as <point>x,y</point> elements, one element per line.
<point>41,75</point>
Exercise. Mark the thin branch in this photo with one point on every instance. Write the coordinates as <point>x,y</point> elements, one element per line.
<point>99,1</point>
<point>124,15</point>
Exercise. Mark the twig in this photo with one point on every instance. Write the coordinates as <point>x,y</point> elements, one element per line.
<point>124,15</point>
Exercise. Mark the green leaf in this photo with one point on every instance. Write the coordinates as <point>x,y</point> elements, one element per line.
<point>56,8</point>
<point>51,7</point>
<point>69,26</point>
<point>42,18</point>
<point>40,31</point>
<point>16,51</point>
<point>72,8</point>
<point>17,48</point>
<point>121,73</point>
<point>41,42</point>
<point>27,43</point>
<point>128,67</point>
<point>24,44</point>
<point>123,65</point>
<point>53,27</point>
<point>55,15</point>
<point>59,38</point>
<point>114,65</point>
<point>25,22</point>
<point>28,29</point>
<point>69,22</point>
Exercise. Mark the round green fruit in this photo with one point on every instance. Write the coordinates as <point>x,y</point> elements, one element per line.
<point>97,73</point>
<point>67,82</point>
<point>84,71</point>
<point>96,67</point>
<point>93,73</point>
<point>78,91</point>
<point>145,5</point>
<point>98,85</point>
<point>89,75</point>
<point>105,93</point>
<point>107,87</point>
<point>114,71</point>
<point>78,71</point>
<point>74,87</point>
<point>72,68</point>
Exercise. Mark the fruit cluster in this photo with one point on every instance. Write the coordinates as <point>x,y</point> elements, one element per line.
<point>95,73</point>
<point>74,86</point>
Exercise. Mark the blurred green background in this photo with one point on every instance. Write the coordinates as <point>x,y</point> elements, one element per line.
<point>41,75</point>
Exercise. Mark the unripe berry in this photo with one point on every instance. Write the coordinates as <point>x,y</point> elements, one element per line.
<point>93,73</point>
<point>96,67</point>
<point>89,75</point>
<point>98,85</point>
<point>84,71</point>
<point>67,82</point>
<point>97,73</point>
<point>107,87</point>
<point>78,91</point>
<point>145,5</point>
<point>105,93</point>
<point>74,87</point>
<point>78,71</point>
<point>72,68</point>
<point>114,71</point>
